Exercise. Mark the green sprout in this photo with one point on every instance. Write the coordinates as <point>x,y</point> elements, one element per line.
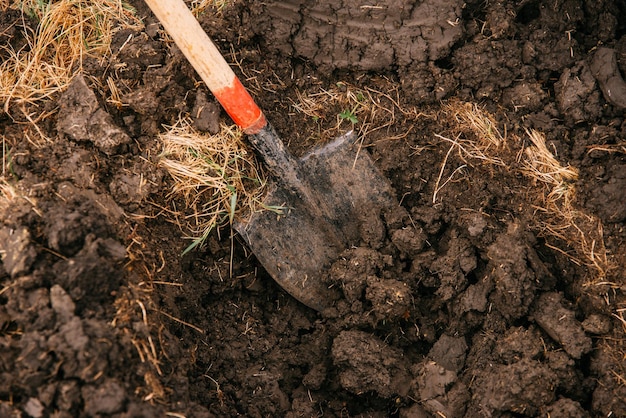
<point>350,115</point>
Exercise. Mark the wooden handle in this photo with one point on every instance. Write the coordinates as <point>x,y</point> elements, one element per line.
<point>205,58</point>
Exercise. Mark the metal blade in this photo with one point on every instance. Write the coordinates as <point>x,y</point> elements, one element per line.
<point>298,246</point>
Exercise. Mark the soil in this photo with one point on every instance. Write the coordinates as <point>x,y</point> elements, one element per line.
<point>457,304</point>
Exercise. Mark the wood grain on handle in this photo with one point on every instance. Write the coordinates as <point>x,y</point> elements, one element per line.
<point>205,58</point>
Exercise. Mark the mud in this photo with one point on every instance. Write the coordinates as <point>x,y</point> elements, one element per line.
<point>458,303</point>
<point>358,35</point>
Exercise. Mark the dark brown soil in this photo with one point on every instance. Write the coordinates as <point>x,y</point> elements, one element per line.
<point>459,306</point>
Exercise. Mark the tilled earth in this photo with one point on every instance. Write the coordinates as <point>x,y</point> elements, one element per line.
<point>466,300</point>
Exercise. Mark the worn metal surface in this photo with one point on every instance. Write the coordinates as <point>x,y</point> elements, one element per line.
<point>323,196</point>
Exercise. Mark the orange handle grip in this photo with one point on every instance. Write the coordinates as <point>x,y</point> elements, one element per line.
<point>210,65</point>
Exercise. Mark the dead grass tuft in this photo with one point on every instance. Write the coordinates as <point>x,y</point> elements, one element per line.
<point>542,165</point>
<point>66,32</point>
<point>132,303</point>
<point>135,318</point>
<point>472,119</point>
<point>608,148</point>
<point>559,218</point>
<point>199,7</point>
<point>567,230</point>
<point>477,137</point>
<point>216,177</point>
<point>344,106</point>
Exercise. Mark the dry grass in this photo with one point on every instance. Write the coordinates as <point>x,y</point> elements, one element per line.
<point>8,194</point>
<point>201,6</point>
<point>471,118</point>
<point>476,133</point>
<point>216,177</point>
<point>345,106</point>
<point>139,318</point>
<point>6,158</point>
<point>66,32</point>
<point>567,229</point>
<point>135,318</point>
<point>608,148</point>
<point>338,107</point>
<point>540,165</point>
<point>476,138</point>
<point>543,165</point>
<point>559,217</point>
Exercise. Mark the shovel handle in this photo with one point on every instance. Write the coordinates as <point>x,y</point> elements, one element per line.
<point>206,59</point>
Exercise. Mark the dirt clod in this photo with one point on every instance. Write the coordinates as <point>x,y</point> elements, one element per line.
<point>390,299</point>
<point>82,119</point>
<point>605,70</point>
<point>365,363</point>
<point>107,398</point>
<point>449,352</point>
<point>17,251</point>
<point>368,38</point>
<point>439,391</point>
<point>520,387</point>
<point>560,323</point>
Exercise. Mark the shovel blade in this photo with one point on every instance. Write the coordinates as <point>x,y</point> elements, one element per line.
<point>298,246</point>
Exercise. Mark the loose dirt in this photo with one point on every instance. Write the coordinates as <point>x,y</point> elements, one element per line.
<point>495,289</point>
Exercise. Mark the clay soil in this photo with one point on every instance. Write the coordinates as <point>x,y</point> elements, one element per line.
<point>488,292</point>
